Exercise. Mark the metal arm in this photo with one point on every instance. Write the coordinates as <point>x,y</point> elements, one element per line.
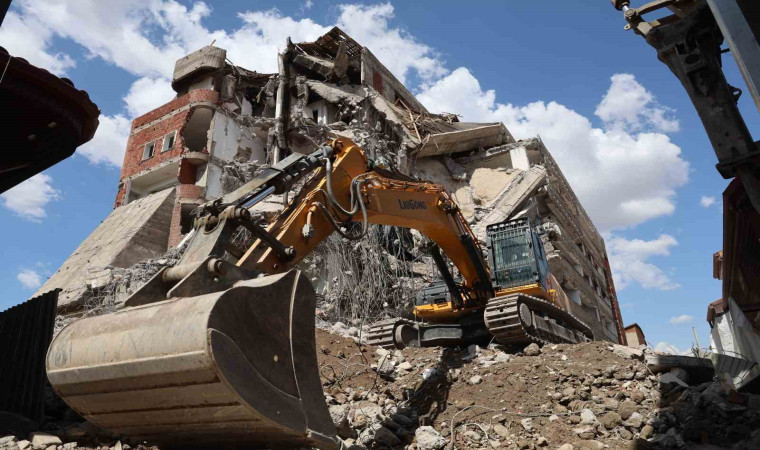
<point>688,42</point>
<point>320,209</point>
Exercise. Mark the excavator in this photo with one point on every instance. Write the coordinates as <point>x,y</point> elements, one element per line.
<point>218,351</point>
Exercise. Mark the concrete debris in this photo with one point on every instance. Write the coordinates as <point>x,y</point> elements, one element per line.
<point>532,350</point>
<point>520,402</point>
<point>427,438</point>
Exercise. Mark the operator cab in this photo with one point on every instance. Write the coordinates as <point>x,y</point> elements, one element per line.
<point>516,255</point>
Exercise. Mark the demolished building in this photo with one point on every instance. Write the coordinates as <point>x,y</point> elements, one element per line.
<point>227,122</point>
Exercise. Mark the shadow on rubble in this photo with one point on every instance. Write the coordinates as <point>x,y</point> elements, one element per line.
<point>431,398</point>
<point>698,409</point>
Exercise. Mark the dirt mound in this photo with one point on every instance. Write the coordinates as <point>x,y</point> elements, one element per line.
<point>585,396</point>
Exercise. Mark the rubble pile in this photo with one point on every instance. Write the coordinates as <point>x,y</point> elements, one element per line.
<point>585,396</point>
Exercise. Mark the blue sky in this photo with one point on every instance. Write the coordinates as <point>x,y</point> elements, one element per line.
<point>619,124</point>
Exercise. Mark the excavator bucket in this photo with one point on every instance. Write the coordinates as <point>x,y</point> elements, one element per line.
<point>232,369</point>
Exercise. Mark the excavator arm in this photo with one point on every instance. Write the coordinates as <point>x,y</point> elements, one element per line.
<point>347,190</point>
<point>219,350</point>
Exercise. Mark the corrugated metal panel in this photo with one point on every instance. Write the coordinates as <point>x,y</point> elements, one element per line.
<point>25,334</point>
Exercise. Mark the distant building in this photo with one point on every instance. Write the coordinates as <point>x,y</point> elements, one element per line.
<point>634,335</point>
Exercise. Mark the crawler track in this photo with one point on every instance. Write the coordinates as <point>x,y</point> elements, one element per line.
<point>380,333</point>
<point>520,319</point>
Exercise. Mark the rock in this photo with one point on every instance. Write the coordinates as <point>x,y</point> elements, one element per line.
<point>379,434</point>
<point>627,375</point>
<point>476,379</point>
<point>611,420</point>
<point>553,418</point>
<point>386,367</point>
<point>637,396</point>
<point>43,440</point>
<point>501,357</point>
<point>585,432</point>
<point>627,352</point>
<point>527,423</point>
<point>72,446</point>
<point>6,440</point>
<point>588,417</point>
<point>370,410</point>
<point>568,392</point>
<point>566,447</point>
<point>542,441</point>
<point>501,430</point>
<point>626,409</point>
<point>404,366</point>
<point>339,328</point>
<point>339,415</point>
<point>647,432</point>
<point>634,421</point>
<point>625,434</point>
<point>589,445</point>
<point>428,438</point>
<point>24,445</point>
<point>472,435</point>
<point>532,350</point>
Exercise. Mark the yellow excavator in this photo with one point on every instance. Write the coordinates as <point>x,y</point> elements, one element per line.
<point>219,351</point>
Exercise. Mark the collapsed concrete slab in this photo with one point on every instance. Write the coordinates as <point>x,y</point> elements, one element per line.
<point>137,231</point>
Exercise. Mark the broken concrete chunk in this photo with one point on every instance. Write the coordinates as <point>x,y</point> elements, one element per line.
<point>43,440</point>
<point>428,438</point>
<point>532,350</point>
<point>585,432</point>
<point>627,352</point>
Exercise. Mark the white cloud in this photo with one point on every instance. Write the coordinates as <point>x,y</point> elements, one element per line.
<point>629,262</point>
<point>29,279</point>
<point>146,38</point>
<point>29,198</point>
<point>666,347</point>
<point>683,318</point>
<point>31,40</point>
<point>147,94</point>
<point>109,143</point>
<point>706,201</point>
<point>623,178</point>
<point>308,4</point>
<point>627,104</point>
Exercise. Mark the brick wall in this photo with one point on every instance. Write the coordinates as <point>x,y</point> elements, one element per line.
<point>185,193</point>
<point>150,127</point>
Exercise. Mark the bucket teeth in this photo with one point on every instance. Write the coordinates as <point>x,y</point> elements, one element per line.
<point>233,369</point>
